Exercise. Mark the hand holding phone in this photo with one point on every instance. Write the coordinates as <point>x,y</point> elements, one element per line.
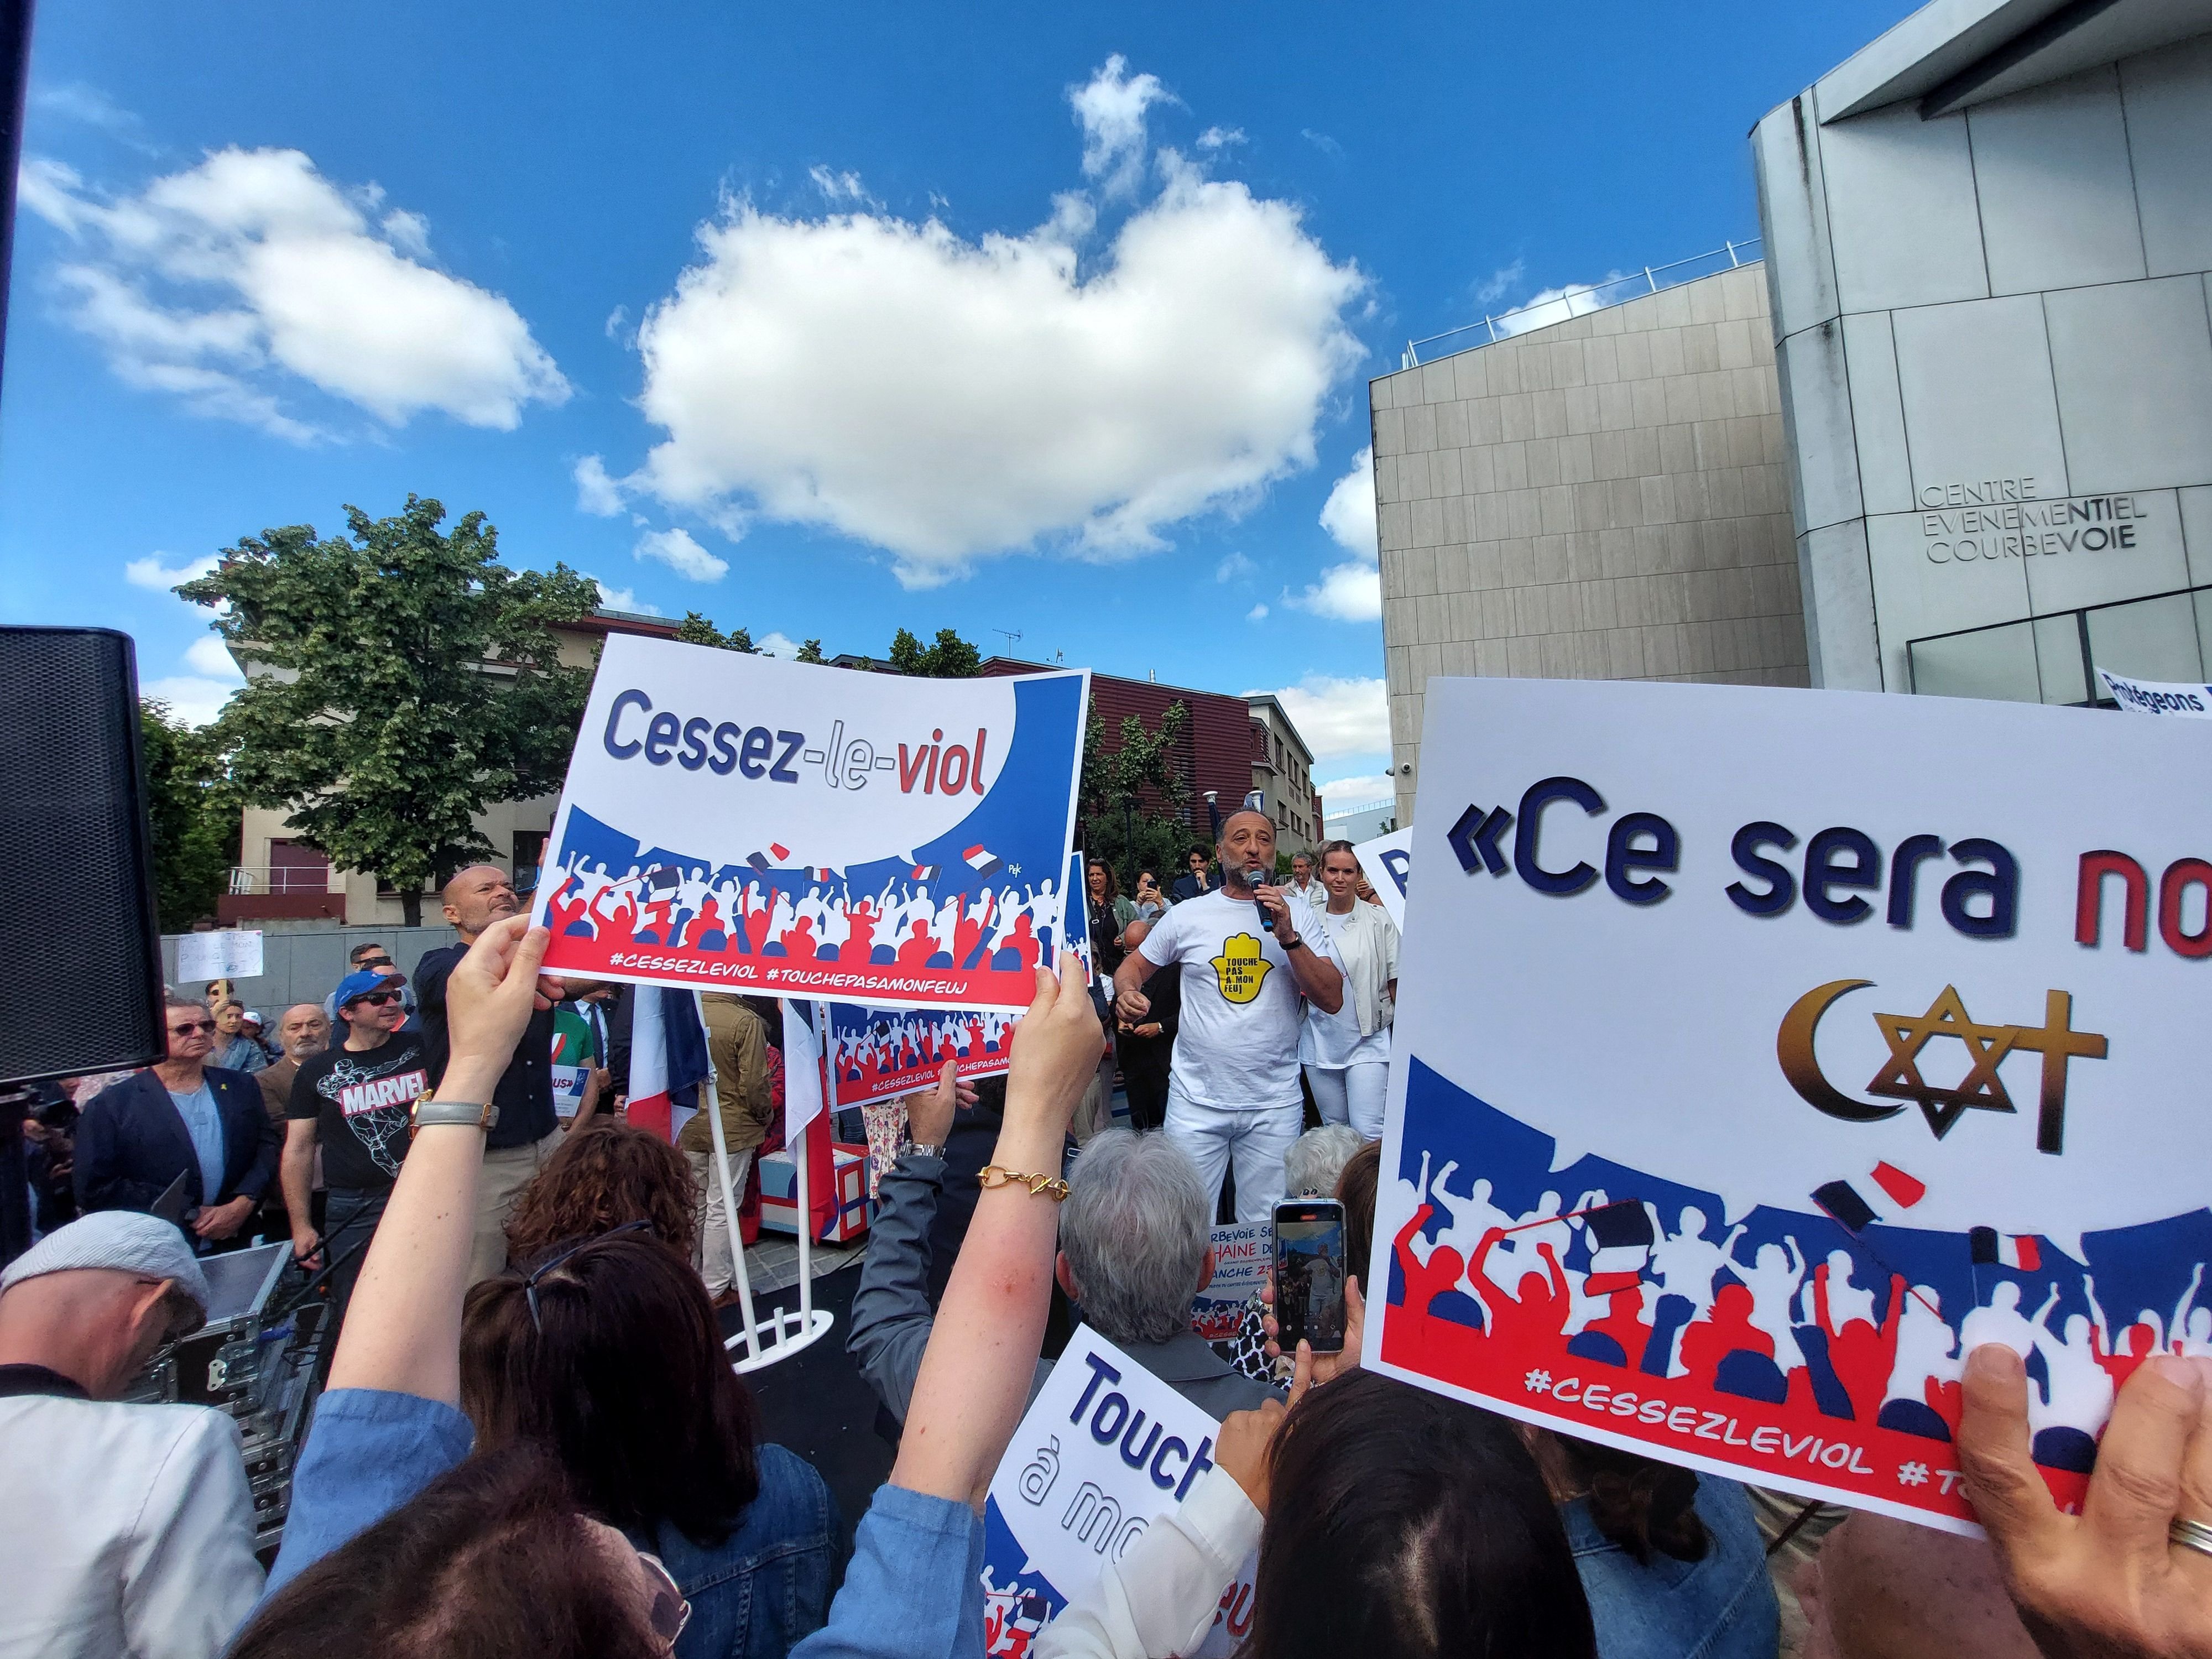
<point>1310,1272</point>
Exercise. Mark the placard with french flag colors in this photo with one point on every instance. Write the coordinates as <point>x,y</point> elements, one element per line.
<point>1761,1053</point>
<point>739,822</point>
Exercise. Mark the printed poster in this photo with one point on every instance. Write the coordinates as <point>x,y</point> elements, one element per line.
<point>2158,696</point>
<point>1385,861</point>
<point>736,823</point>
<point>1243,1256</point>
<point>1104,1448</point>
<point>219,953</point>
<point>880,1054</point>
<point>1761,1052</point>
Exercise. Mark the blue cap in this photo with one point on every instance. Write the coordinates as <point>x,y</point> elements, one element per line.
<point>354,987</point>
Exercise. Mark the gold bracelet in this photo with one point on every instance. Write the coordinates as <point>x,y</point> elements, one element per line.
<point>1051,1186</point>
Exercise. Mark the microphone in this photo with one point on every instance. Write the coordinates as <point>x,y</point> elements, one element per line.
<point>1252,879</point>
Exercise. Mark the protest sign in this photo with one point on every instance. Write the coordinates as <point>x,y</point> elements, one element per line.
<point>743,824</point>
<point>1759,1053</point>
<point>1104,1448</point>
<point>2159,697</point>
<point>221,953</point>
<point>1244,1256</point>
<point>1385,860</point>
<point>880,1054</point>
<point>1078,917</point>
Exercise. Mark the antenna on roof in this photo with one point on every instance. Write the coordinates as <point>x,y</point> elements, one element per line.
<point>1011,638</point>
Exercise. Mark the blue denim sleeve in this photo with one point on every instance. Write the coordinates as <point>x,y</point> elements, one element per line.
<point>369,1452</point>
<point>914,1589</point>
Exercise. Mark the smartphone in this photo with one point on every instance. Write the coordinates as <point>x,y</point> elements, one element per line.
<point>1310,1272</point>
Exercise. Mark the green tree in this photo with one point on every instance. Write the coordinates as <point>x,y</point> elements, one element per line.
<point>811,651</point>
<point>1132,797</point>
<point>406,681</point>
<point>950,657</point>
<point>191,811</point>
<point>696,630</point>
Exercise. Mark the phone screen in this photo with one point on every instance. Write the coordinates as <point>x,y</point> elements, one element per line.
<point>1309,1274</point>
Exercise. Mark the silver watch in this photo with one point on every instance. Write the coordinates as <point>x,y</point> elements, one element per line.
<point>484,1116</point>
<point>925,1150</point>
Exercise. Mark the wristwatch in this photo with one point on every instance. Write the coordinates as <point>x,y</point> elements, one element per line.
<point>484,1116</point>
<point>924,1148</point>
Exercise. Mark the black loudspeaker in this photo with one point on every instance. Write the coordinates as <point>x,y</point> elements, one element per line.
<point>78,930</point>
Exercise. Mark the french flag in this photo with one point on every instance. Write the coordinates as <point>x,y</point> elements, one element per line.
<point>667,1059</point>
<point>982,861</point>
<point>928,872</point>
<point>806,1104</point>
<point>1991,1248</point>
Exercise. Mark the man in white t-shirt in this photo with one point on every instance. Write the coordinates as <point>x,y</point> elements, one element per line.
<point>1233,1082</point>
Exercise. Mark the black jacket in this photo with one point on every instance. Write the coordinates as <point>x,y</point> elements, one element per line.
<point>131,1144</point>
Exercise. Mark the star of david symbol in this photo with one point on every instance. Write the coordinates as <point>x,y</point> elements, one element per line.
<point>1982,1089</point>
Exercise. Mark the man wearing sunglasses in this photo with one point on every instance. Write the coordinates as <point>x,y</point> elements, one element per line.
<point>368,959</point>
<point>181,1117</point>
<point>354,1101</point>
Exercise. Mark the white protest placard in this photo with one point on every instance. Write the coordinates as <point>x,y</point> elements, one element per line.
<point>223,953</point>
<point>2158,696</point>
<point>880,1054</point>
<point>1758,1053</point>
<point>739,822</point>
<point>1104,1448</point>
<point>1386,860</point>
<point>1243,1256</point>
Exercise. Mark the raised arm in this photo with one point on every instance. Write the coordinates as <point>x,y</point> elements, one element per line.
<point>1130,1002</point>
<point>981,1361</point>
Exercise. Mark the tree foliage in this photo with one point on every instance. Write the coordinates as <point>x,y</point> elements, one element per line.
<point>696,630</point>
<point>1132,797</point>
<point>191,811</point>
<point>407,680</point>
<point>950,657</point>
<point>811,651</point>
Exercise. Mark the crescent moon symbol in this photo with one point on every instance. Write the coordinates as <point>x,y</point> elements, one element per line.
<point>1793,1048</point>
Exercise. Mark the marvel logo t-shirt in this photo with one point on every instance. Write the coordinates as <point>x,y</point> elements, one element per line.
<point>361,1101</point>
<point>1237,1047</point>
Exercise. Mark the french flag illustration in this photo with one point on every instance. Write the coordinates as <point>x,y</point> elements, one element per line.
<point>667,1059</point>
<point>763,861</point>
<point>982,861</point>
<point>805,1106</point>
<point>2019,1251</point>
<point>1621,1236</point>
<point>1848,1206</point>
<point>928,872</point>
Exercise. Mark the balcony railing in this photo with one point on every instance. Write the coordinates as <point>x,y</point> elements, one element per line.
<point>1582,300</point>
<point>2054,657</point>
<point>285,878</point>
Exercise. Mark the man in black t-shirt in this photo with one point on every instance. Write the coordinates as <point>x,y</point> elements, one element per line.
<point>528,1131</point>
<point>355,1103</point>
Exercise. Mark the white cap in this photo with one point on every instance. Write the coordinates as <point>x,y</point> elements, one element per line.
<point>126,1241</point>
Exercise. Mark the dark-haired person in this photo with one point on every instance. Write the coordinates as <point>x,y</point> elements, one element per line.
<point>180,1117</point>
<point>1109,913</point>
<point>1151,899</point>
<point>606,1174</point>
<point>607,1353</point>
<point>396,1546</point>
<point>1145,1047</point>
<point>1193,884</point>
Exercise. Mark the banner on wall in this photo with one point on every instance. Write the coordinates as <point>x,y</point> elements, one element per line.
<point>880,1054</point>
<point>1759,1053</point>
<point>2158,696</point>
<point>744,823</point>
<point>1104,1448</point>
<point>1385,861</point>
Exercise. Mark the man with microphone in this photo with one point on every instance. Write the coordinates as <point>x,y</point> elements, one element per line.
<point>1248,952</point>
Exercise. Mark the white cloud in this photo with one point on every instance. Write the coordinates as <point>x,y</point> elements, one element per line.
<point>676,549</point>
<point>1500,283</point>
<point>1556,305</point>
<point>613,326</point>
<point>209,656</point>
<point>837,187</point>
<point>191,699</point>
<point>777,645</point>
<point>1236,565</point>
<point>216,283</point>
<point>596,493</point>
<point>624,599</point>
<point>947,400</point>
<point>88,106</point>
<point>1338,717</point>
<point>1358,791</point>
<point>1257,613</point>
<point>1221,137</point>
<point>1346,592</point>
<point>151,573</point>
<point>1321,141</point>
<point>1110,109</point>
<point>1348,515</point>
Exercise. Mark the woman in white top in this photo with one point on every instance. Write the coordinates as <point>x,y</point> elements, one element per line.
<point>1347,1054</point>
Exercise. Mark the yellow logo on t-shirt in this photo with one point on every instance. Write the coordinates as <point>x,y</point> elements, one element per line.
<point>1240,969</point>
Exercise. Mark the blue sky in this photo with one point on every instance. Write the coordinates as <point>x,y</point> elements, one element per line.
<point>1046,321</point>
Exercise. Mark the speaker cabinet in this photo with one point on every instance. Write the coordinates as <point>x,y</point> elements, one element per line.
<point>78,932</point>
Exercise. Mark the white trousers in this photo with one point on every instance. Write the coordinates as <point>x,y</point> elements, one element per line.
<point>1259,1139</point>
<point>717,1268</point>
<point>1351,1094</point>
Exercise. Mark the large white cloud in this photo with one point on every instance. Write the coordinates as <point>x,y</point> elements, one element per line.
<point>1110,109</point>
<point>947,399</point>
<point>1340,792</point>
<point>216,283</point>
<point>1338,717</point>
<point>1353,591</point>
<point>678,550</point>
<point>150,573</point>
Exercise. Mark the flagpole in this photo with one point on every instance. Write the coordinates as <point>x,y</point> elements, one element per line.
<point>805,1214</point>
<point>739,1276</point>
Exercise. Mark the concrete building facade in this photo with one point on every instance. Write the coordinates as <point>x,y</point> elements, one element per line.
<point>1605,497</point>
<point>1987,235</point>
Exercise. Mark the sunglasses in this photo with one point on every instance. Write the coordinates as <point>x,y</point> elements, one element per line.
<point>671,1612</point>
<point>560,1254</point>
<point>373,961</point>
<point>190,1026</point>
<point>377,999</point>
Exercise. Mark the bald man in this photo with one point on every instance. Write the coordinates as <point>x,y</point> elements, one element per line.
<point>528,1131</point>
<point>302,1032</point>
<point>1233,1081</point>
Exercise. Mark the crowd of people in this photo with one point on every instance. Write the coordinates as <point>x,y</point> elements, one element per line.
<point>532,1442</point>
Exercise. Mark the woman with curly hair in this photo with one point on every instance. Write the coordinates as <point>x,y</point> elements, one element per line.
<point>605,1175</point>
